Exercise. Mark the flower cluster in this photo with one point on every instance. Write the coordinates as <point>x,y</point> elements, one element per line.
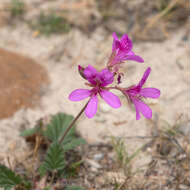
<point>99,81</point>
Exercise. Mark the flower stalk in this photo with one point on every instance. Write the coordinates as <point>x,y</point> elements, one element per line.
<point>72,123</point>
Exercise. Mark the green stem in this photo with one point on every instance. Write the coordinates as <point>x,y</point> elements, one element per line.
<point>72,123</point>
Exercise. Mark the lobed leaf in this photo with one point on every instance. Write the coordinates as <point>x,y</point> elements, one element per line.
<point>54,159</point>
<point>57,127</point>
<point>72,187</point>
<point>73,143</point>
<point>8,179</point>
<point>29,132</point>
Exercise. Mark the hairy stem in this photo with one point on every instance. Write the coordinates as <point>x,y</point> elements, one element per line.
<point>72,123</point>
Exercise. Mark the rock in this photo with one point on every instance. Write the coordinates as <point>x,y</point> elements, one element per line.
<point>185,129</point>
<point>113,177</point>
<point>183,187</point>
<point>98,157</point>
<point>21,82</point>
<point>93,164</point>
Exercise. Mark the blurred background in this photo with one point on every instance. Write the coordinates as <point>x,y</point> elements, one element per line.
<point>43,41</point>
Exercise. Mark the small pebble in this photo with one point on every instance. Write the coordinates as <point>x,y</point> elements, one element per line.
<point>183,187</point>
<point>93,164</point>
<point>98,157</point>
<point>185,129</point>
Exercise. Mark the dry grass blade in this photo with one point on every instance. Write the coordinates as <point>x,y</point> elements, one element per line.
<point>77,5</point>
<point>156,18</point>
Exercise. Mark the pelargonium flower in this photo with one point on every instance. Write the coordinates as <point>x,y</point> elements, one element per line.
<point>136,93</point>
<point>98,81</point>
<point>122,51</point>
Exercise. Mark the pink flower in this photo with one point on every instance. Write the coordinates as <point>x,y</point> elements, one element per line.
<point>122,51</point>
<point>136,93</point>
<point>98,81</point>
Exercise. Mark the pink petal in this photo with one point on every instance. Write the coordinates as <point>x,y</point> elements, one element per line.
<point>143,108</point>
<point>133,90</point>
<point>145,76</point>
<point>150,92</point>
<point>92,106</point>
<point>106,77</point>
<point>115,41</point>
<point>79,94</point>
<point>130,53</point>
<point>120,57</point>
<point>115,36</point>
<point>110,99</point>
<point>90,72</point>
<point>134,58</point>
<point>126,43</point>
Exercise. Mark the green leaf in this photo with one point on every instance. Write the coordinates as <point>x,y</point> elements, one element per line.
<point>73,143</point>
<point>8,179</point>
<point>73,188</point>
<point>54,159</point>
<point>29,132</point>
<point>52,23</point>
<point>17,8</point>
<point>47,188</point>
<point>72,170</point>
<point>57,127</point>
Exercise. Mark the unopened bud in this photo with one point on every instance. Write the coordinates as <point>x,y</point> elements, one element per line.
<point>81,71</point>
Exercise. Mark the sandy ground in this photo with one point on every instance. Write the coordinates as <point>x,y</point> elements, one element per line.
<point>60,55</point>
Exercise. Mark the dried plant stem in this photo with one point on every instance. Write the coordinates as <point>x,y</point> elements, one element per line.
<point>160,15</point>
<point>72,123</point>
<point>52,178</point>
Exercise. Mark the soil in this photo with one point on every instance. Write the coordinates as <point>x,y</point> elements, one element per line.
<point>22,81</point>
<point>60,54</point>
